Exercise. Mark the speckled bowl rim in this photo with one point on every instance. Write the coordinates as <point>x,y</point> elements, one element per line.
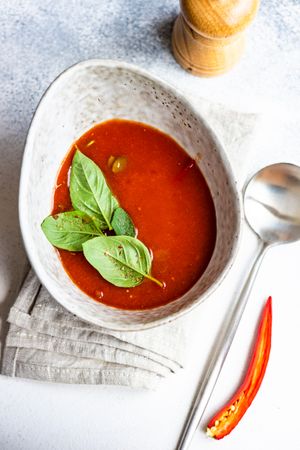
<point>237,196</point>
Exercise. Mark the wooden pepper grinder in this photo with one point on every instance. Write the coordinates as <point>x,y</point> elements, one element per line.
<point>208,36</point>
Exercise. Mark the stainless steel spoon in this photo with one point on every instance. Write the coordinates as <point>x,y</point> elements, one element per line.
<point>272,209</point>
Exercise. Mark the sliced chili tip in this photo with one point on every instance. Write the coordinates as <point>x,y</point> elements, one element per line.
<point>230,415</point>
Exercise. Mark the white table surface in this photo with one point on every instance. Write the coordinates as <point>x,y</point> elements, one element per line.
<point>38,39</point>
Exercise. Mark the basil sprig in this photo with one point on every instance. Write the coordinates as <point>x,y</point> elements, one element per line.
<point>89,191</point>
<point>122,223</point>
<point>122,260</point>
<point>69,230</point>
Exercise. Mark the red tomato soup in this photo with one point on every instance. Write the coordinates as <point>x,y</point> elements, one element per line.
<point>168,200</point>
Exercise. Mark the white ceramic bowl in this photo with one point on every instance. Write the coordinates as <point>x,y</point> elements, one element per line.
<point>86,94</point>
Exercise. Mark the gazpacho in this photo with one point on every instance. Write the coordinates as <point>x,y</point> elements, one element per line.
<point>133,218</point>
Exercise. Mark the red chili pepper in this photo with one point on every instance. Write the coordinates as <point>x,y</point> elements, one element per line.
<point>229,416</point>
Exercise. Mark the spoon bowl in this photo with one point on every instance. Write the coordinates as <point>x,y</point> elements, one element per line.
<point>272,203</point>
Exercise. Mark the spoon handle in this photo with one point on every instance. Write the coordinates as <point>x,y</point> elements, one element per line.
<point>218,356</point>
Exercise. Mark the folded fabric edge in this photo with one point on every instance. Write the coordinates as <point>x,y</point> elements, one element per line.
<point>25,321</point>
<point>166,353</point>
<point>26,301</point>
<point>20,338</point>
<point>122,376</point>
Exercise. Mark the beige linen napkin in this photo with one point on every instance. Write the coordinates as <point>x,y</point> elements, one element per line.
<point>46,342</point>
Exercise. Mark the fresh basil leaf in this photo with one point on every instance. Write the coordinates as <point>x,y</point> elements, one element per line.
<point>89,191</point>
<point>122,260</point>
<point>69,230</point>
<point>122,223</point>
